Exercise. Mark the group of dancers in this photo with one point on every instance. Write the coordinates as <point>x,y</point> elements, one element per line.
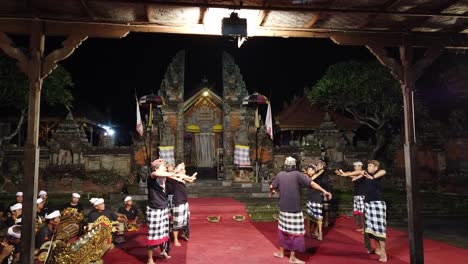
<point>369,205</point>
<point>167,195</point>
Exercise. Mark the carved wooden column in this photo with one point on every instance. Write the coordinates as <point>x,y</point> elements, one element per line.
<point>36,68</point>
<point>31,148</point>
<point>407,73</point>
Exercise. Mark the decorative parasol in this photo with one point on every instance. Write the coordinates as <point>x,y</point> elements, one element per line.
<point>255,99</point>
<point>151,99</point>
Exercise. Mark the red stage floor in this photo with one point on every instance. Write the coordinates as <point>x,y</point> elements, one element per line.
<point>229,242</point>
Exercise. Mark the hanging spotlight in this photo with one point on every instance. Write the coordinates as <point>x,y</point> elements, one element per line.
<point>234,26</point>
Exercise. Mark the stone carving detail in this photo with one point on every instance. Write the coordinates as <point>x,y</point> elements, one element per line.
<point>68,143</point>
<point>234,86</point>
<point>179,153</point>
<point>242,137</point>
<point>167,136</point>
<point>172,86</point>
<point>234,90</point>
<point>172,90</point>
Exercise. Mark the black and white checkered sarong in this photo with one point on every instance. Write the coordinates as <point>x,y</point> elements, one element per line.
<point>376,218</point>
<point>180,216</point>
<point>358,205</point>
<point>291,223</point>
<point>314,210</point>
<point>158,225</point>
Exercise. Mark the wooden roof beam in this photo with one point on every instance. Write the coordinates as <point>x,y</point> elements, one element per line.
<point>312,21</point>
<point>289,8</point>
<point>262,14</point>
<point>201,18</point>
<point>421,20</point>
<point>89,13</point>
<point>387,5</point>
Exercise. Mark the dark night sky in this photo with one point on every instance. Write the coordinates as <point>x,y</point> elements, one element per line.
<point>106,72</point>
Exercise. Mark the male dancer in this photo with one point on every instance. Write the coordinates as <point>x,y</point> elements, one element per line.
<point>314,202</point>
<point>157,212</point>
<point>291,221</point>
<point>358,205</point>
<point>180,206</point>
<point>375,210</point>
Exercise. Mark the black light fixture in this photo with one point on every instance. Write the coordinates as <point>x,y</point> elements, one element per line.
<point>234,26</point>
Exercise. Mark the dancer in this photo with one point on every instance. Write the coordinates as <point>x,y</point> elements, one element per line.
<point>291,221</point>
<point>180,207</point>
<point>157,212</point>
<point>358,201</point>
<point>375,210</point>
<point>314,203</point>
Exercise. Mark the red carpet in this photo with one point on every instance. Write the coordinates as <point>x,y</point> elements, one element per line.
<point>229,242</point>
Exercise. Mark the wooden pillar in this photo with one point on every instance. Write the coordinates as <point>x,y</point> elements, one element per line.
<point>408,72</point>
<point>31,149</point>
<point>415,226</point>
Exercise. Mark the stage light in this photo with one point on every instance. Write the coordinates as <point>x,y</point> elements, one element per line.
<point>206,93</point>
<point>234,26</point>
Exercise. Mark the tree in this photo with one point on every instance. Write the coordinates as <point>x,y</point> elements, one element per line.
<point>365,90</point>
<point>14,92</point>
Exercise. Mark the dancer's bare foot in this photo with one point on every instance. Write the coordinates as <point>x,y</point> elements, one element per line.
<point>320,237</point>
<point>383,257</point>
<point>377,251</point>
<point>177,243</point>
<point>296,260</point>
<point>184,237</point>
<point>150,261</point>
<point>278,255</point>
<point>165,255</point>
<point>360,230</point>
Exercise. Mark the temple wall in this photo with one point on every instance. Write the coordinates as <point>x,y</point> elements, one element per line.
<point>103,170</point>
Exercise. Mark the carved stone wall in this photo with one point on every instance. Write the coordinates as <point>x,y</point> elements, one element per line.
<point>234,90</point>
<point>172,90</point>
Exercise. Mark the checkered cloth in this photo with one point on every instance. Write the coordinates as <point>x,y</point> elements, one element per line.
<point>241,155</point>
<point>358,204</point>
<point>167,153</point>
<point>376,219</point>
<point>180,216</point>
<point>314,210</point>
<point>291,223</point>
<point>158,226</point>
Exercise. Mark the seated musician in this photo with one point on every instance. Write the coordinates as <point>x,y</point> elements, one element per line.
<point>46,207</point>
<point>39,210</point>
<point>18,199</point>
<point>74,203</point>
<point>16,211</point>
<point>101,210</point>
<point>13,238</point>
<point>129,212</point>
<point>46,232</point>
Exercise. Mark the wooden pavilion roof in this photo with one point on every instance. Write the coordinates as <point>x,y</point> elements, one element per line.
<point>441,22</point>
<point>301,115</point>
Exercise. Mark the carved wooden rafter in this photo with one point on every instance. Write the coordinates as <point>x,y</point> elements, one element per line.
<point>69,45</point>
<point>7,45</point>
<point>406,66</point>
<point>201,17</point>
<point>262,15</point>
<point>380,53</point>
<point>312,21</point>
